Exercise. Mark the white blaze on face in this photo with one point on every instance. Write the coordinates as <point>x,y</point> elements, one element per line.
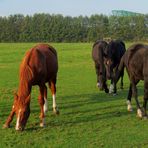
<point>54,101</point>
<point>45,105</point>
<point>18,119</point>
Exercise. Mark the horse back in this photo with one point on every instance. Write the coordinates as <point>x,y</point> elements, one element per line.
<point>116,50</point>
<point>50,58</point>
<point>42,62</point>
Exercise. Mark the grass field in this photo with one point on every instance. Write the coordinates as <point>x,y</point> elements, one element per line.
<point>88,118</point>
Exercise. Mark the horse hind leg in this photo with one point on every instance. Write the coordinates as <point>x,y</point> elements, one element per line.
<point>43,104</point>
<point>52,86</point>
<point>134,92</point>
<point>129,97</point>
<point>129,106</point>
<point>45,100</point>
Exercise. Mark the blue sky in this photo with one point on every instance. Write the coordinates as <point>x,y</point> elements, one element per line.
<point>70,7</point>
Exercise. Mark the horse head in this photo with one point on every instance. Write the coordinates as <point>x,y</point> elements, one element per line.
<point>22,110</point>
<point>111,53</point>
<point>109,68</point>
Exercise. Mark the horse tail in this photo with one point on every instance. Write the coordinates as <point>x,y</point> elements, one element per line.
<point>120,69</point>
<point>121,65</point>
<point>53,50</point>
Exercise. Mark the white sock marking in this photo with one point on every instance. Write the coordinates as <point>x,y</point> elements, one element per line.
<point>18,119</point>
<point>139,113</point>
<point>129,106</point>
<point>98,84</point>
<point>45,105</point>
<point>42,124</point>
<point>54,101</point>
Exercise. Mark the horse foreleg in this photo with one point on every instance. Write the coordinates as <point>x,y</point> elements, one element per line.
<point>45,100</point>
<point>9,119</point>
<point>52,86</point>
<point>111,87</point>
<point>42,102</point>
<point>105,87</point>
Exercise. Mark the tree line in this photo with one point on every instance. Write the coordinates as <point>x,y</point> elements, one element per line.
<point>58,28</point>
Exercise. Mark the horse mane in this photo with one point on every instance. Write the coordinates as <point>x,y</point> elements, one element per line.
<point>25,75</point>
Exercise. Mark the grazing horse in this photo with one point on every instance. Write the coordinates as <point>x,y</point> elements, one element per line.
<point>98,56</point>
<point>114,53</point>
<point>40,65</point>
<point>135,60</point>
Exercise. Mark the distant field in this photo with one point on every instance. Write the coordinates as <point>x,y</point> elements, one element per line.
<point>88,118</point>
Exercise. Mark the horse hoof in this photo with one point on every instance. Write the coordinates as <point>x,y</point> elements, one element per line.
<point>114,94</point>
<point>6,126</point>
<point>98,84</point>
<point>106,90</point>
<point>129,108</point>
<point>56,111</point>
<point>111,88</point>
<point>42,125</point>
<point>19,128</point>
<point>139,113</point>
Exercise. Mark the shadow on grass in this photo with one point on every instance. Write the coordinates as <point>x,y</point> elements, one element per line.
<point>82,108</point>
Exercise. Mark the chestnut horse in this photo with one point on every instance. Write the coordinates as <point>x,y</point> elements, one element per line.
<point>40,65</point>
<point>135,60</point>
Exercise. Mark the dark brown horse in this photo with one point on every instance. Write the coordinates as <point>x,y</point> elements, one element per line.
<point>114,53</point>
<point>98,56</point>
<point>135,60</point>
<point>40,65</point>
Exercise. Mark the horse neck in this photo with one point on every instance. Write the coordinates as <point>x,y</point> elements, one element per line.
<point>24,89</point>
<point>26,76</point>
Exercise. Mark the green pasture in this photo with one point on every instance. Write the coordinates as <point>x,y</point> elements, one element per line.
<point>88,117</point>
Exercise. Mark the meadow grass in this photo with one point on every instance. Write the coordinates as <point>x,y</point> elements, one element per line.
<point>88,117</point>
